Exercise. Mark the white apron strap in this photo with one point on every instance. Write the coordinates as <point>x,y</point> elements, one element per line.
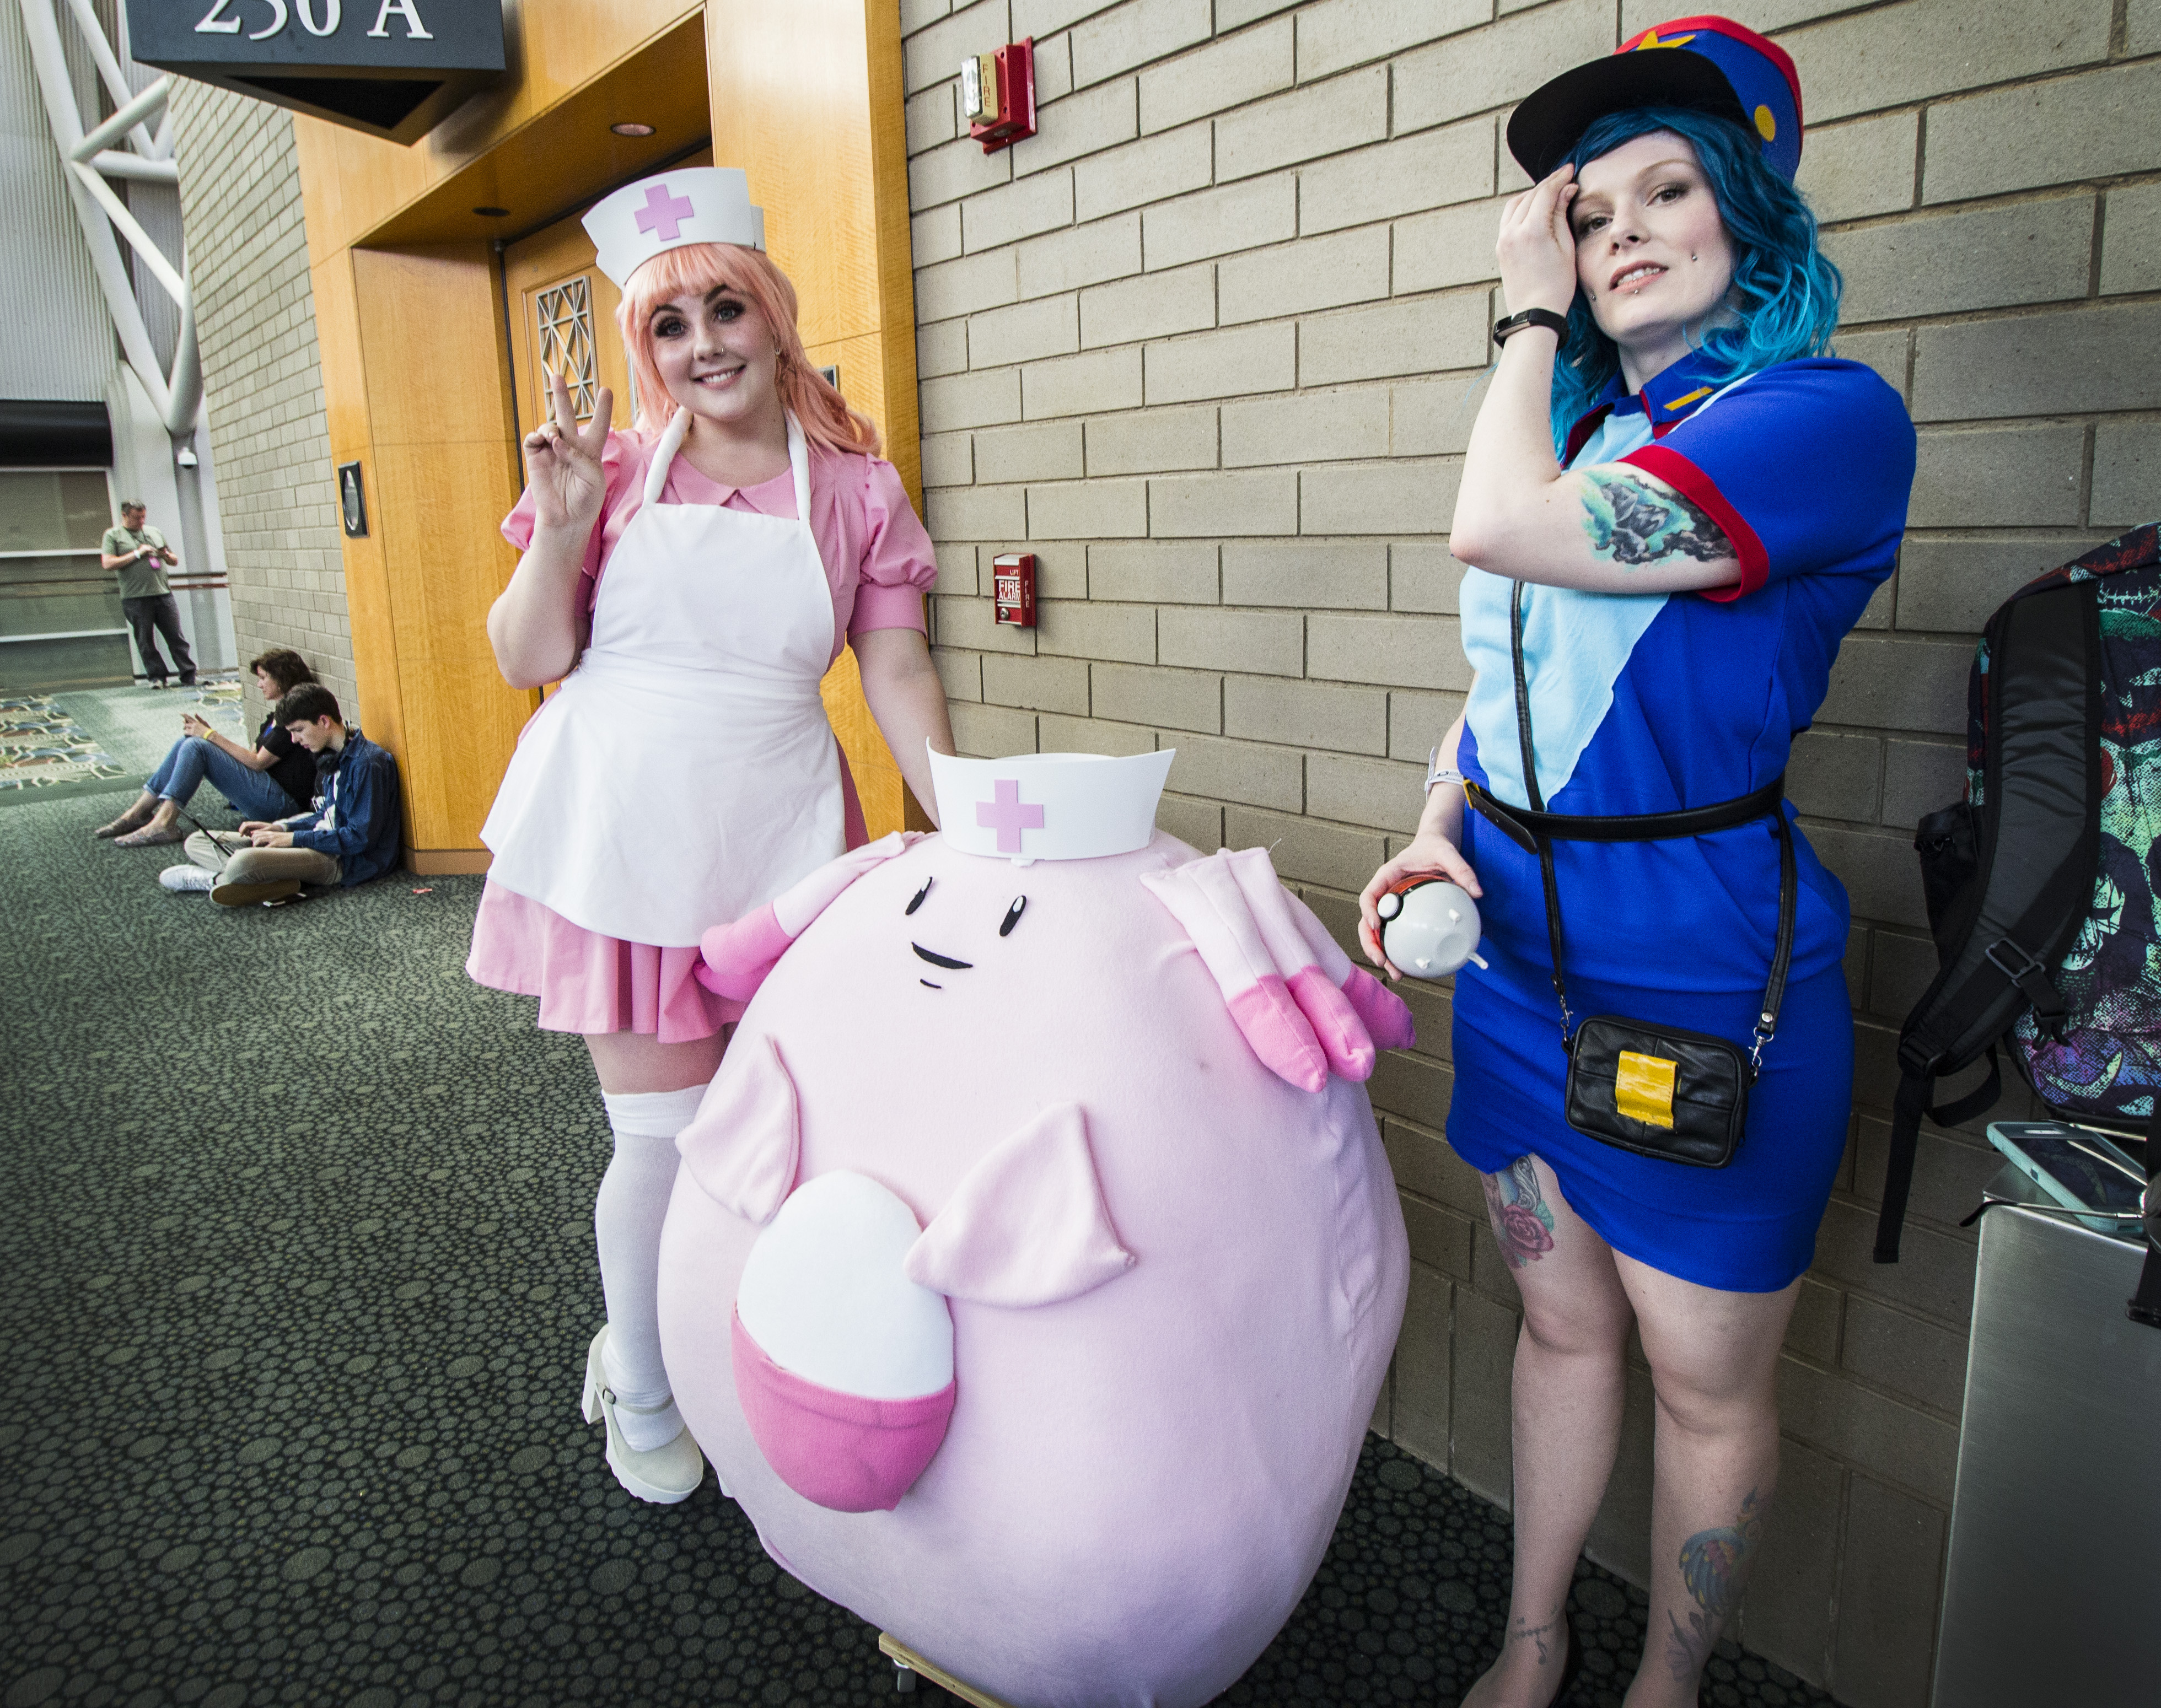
<point>798,465</point>
<point>664,455</point>
<point>671,441</point>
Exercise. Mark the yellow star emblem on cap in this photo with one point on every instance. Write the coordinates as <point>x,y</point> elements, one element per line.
<point>1651,40</point>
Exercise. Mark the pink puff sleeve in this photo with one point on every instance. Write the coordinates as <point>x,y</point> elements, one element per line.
<point>622,463</point>
<point>898,565</point>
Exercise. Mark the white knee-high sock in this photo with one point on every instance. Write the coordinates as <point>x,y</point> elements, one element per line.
<point>627,1218</point>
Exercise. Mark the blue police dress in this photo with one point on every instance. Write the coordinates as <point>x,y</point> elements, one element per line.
<point>1648,704</point>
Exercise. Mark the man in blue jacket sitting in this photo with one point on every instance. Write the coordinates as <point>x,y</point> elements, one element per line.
<point>350,834</point>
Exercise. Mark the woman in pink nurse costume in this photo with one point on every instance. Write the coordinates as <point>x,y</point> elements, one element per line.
<point>689,583</point>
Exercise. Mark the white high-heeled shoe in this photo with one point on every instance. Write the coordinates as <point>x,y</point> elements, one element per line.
<point>664,1475</point>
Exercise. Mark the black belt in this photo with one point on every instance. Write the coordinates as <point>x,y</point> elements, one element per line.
<point>1524,828</point>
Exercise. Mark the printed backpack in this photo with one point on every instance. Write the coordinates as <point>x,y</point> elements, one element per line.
<point>2040,883</point>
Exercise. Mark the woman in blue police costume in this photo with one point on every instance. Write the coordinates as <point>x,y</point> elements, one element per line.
<point>1725,499</point>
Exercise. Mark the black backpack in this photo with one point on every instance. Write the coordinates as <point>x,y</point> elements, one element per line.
<point>2041,880</point>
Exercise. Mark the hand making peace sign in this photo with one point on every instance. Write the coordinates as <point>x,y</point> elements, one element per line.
<point>563,460</point>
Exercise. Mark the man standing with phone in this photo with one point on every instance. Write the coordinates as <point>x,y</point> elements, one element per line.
<point>139,552</point>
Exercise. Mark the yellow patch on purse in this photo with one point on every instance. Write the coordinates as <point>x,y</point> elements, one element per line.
<point>1643,1088</point>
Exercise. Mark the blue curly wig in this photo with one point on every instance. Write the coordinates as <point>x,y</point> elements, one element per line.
<point>1785,294</point>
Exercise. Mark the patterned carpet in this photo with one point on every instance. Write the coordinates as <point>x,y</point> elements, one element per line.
<point>296,1276</point>
<point>99,741</point>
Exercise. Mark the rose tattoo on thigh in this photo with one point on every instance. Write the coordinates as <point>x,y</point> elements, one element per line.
<point>1523,1221</point>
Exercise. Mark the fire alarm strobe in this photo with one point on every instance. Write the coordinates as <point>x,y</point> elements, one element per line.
<point>1012,589</point>
<point>997,95</point>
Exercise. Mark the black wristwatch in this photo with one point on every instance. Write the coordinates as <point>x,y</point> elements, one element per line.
<point>1554,323</point>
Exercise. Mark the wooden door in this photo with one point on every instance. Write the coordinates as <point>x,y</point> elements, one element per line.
<point>565,307</point>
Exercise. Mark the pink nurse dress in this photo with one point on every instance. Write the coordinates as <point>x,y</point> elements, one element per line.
<point>616,949</point>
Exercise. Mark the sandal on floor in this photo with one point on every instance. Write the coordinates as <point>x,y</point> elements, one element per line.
<point>133,820</point>
<point>666,1474</point>
<point>147,837</point>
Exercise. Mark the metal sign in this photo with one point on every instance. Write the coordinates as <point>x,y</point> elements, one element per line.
<point>352,501</point>
<point>389,67</point>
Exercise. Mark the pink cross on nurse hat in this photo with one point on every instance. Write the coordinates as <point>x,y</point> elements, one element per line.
<point>1049,806</point>
<point>691,204</point>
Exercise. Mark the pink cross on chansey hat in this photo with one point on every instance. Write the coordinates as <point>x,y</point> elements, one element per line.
<point>1005,815</point>
<point>1029,807</point>
<point>663,213</point>
<point>687,205</point>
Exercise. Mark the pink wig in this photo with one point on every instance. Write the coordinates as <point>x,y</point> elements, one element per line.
<point>693,269</point>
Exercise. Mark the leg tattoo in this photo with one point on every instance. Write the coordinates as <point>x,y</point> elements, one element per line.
<point>1522,1221</point>
<point>1715,1567</point>
<point>1545,1635</point>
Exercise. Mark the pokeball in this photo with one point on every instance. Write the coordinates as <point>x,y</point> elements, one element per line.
<point>1429,927</point>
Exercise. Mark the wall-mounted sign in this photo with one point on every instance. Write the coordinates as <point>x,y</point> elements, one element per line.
<point>352,501</point>
<point>389,67</point>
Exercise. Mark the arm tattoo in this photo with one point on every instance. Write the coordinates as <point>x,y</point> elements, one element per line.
<point>1523,1221</point>
<point>1714,1569</point>
<point>1635,525</point>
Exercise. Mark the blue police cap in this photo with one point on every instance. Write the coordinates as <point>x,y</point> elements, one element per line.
<point>1709,65</point>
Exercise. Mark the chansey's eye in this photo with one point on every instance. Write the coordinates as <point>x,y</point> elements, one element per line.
<point>917,900</point>
<point>1012,916</point>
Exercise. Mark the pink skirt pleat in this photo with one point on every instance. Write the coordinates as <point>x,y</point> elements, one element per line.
<point>587,983</point>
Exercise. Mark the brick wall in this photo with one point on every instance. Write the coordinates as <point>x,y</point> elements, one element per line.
<point>277,491</point>
<point>1207,344</point>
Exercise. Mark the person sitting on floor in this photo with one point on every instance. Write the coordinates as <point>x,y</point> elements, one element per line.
<point>350,834</point>
<point>277,777</point>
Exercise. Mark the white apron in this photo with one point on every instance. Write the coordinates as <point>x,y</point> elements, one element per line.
<point>684,773</point>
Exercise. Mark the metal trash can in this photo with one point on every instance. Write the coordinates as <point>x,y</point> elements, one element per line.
<point>2055,1536</point>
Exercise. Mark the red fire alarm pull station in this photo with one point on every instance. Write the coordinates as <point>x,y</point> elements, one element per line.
<point>1012,589</point>
<point>997,95</point>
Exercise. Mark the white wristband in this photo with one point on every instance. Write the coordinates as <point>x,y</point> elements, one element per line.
<point>1436,774</point>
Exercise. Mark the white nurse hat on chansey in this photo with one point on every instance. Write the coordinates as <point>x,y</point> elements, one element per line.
<point>691,204</point>
<point>1049,806</point>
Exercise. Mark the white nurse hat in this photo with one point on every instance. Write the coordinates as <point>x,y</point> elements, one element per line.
<point>1049,806</point>
<point>691,204</point>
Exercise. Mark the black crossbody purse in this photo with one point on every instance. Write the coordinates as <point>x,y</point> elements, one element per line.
<point>1658,1090</point>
